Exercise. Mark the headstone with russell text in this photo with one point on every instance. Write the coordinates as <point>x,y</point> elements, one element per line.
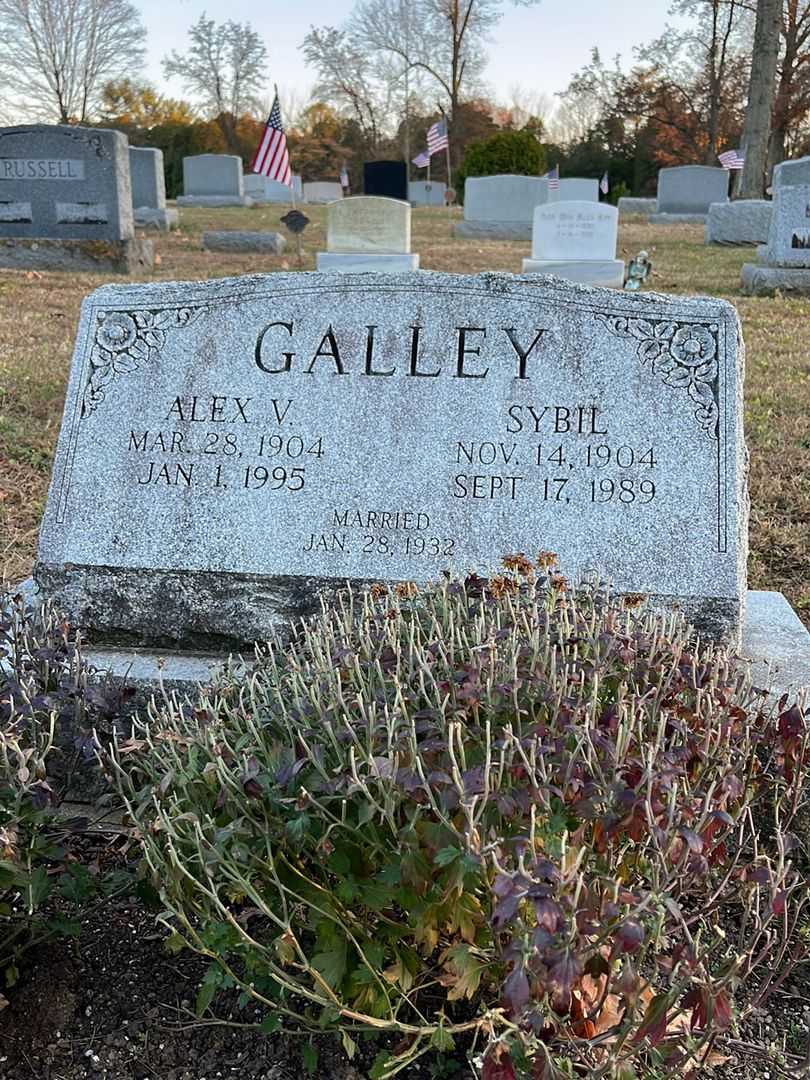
<point>230,448</point>
<point>367,233</point>
<point>576,241</point>
<point>66,202</point>
<point>149,190</point>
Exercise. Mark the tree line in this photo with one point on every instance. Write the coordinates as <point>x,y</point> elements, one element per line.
<point>727,73</point>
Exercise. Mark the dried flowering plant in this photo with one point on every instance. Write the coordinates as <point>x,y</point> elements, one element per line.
<point>505,811</point>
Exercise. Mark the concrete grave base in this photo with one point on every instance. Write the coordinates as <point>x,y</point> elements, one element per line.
<point>96,256</point>
<point>678,219</point>
<point>629,205</point>
<point>608,273</point>
<point>149,217</point>
<point>745,221</point>
<point>271,243</point>
<point>340,262</point>
<point>493,230</point>
<point>757,280</point>
<point>213,200</point>
<point>774,641</point>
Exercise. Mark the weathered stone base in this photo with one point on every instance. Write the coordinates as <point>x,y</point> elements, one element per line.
<point>493,230</point>
<point>629,205</point>
<point>363,263</point>
<point>214,200</point>
<point>270,243</point>
<point>79,256</point>
<point>745,221</point>
<point>678,219</point>
<point>609,273</point>
<point>757,280</point>
<point>149,217</point>
<point>773,640</point>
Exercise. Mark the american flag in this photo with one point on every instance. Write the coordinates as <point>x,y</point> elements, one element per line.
<point>604,184</point>
<point>421,160</point>
<point>553,177</point>
<point>272,158</point>
<point>731,159</point>
<point>437,137</point>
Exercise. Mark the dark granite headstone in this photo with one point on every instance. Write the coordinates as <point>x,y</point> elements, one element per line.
<point>387,178</point>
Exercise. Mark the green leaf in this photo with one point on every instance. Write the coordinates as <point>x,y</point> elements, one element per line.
<point>349,1045</point>
<point>271,1024</point>
<point>446,855</point>
<point>331,964</point>
<point>39,886</point>
<point>442,1040</point>
<point>174,944</point>
<point>65,927</point>
<point>208,987</point>
<point>378,1069</point>
<point>309,1056</point>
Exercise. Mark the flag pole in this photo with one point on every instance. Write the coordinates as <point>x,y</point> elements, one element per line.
<point>447,152</point>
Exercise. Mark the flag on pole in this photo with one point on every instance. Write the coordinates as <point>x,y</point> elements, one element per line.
<point>272,158</point>
<point>731,159</point>
<point>604,184</point>
<point>553,177</point>
<point>344,177</point>
<point>421,160</point>
<point>437,137</point>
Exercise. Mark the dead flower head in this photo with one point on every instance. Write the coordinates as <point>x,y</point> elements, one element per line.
<point>519,563</point>
<point>546,559</point>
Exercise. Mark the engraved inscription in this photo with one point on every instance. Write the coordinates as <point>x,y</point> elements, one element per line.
<point>41,169</point>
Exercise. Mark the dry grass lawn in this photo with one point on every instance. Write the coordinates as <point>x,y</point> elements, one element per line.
<point>39,312</point>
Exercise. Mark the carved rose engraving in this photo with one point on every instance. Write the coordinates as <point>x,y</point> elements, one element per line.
<point>124,341</point>
<point>683,354</point>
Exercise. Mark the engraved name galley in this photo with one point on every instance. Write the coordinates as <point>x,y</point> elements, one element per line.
<point>391,428</point>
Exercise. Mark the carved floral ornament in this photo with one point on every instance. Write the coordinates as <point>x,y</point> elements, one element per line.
<point>683,354</point>
<point>123,342</point>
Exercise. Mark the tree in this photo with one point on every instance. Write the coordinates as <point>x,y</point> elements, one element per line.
<point>761,94</point>
<point>127,104</point>
<point>441,39</point>
<point>224,69</point>
<point>62,52</point>
<point>793,88</point>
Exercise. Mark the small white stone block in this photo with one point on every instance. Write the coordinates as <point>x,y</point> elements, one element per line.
<point>366,262</point>
<point>776,642</point>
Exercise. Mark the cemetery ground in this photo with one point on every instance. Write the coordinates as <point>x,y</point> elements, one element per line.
<point>114,1004</point>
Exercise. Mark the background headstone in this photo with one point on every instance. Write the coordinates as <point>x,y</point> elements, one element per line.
<point>426,193</point>
<point>388,179</point>
<point>784,262</point>
<point>576,241</point>
<point>575,189</point>
<point>261,189</point>
<point>68,190</point>
<point>269,243</point>
<point>367,232</point>
<point>629,204</point>
<point>213,180</point>
<point>149,189</point>
<point>791,173</point>
<point>322,191</point>
<point>744,221</point>
<point>685,192</point>
<point>501,207</point>
<point>230,446</point>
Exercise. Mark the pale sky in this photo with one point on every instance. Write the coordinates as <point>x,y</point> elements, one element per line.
<point>537,47</point>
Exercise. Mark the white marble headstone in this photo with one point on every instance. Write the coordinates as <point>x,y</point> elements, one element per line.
<point>575,231</point>
<point>369,223</point>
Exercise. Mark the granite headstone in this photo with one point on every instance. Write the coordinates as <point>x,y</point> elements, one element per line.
<point>387,179</point>
<point>322,191</point>
<point>213,180</point>
<point>66,201</point>
<point>743,221</point>
<point>229,447</point>
<point>791,173</point>
<point>575,189</point>
<point>784,262</point>
<point>368,233</point>
<point>426,193</point>
<point>149,190</point>
<point>501,207</point>
<point>685,193</point>
<point>576,241</point>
